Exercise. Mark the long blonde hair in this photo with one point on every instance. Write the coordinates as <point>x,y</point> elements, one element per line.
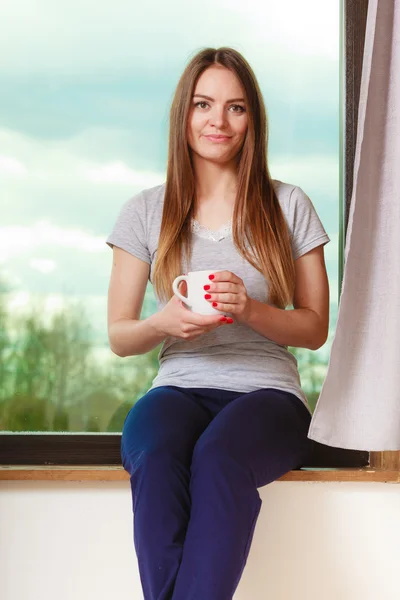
<point>260,231</point>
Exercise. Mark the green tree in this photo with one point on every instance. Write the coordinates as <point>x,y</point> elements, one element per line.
<point>312,368</point>
<point>56,382</point>
<point>4,346</point>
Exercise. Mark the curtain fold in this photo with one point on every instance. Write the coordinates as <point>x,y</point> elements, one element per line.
<point>359,404</point>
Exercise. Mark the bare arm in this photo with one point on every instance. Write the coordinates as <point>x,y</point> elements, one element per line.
<point>306,326</point>
<point>127,334</point>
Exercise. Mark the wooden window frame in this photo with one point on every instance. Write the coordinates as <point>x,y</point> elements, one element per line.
<point>101,450</point>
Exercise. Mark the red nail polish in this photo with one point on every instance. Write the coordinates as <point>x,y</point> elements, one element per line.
<point>207,296</point>
<point>229,320</point>
<point>223,319</point>
<point>211,277</point>
<point>214,303</point>
<point>206,287</point>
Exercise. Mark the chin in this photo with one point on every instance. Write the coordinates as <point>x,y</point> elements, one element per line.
<point>223,157</point>
<point>216,156</point>
<point>216,151</point>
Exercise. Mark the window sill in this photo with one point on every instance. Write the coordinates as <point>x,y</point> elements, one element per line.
<point>113,473</point>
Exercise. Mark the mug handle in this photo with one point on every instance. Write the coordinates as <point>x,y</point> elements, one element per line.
<point>177,293</point>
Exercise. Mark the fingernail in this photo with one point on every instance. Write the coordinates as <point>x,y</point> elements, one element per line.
<point>207,296</point>
<point>214,303</point>
<point>229,320</point>
<point>211,277</point>
<point>223,319</point>
<point>206,287</point>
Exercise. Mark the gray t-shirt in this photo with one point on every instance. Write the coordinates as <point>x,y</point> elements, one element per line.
<point>232,357</point>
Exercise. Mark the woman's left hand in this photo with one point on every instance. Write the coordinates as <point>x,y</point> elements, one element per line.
<point>227,292</point>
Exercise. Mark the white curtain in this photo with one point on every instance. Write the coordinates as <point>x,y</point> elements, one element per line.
<point>359,405</point>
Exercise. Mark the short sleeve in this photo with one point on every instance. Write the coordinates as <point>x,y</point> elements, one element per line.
<point>130,231</point>
<point>306,229</point>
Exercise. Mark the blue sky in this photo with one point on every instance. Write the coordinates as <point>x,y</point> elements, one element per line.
<point>86,89</point>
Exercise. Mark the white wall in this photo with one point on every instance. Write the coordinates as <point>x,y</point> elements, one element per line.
<point>313,541</point>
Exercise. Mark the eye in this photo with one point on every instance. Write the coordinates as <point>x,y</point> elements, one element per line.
<point>242,108</point>
<point>197,104</point>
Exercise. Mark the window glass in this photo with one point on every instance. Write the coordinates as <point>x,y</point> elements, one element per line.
<point>86,90</point>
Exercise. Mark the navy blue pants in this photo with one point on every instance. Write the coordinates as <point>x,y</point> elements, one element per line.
<point>196,458</point>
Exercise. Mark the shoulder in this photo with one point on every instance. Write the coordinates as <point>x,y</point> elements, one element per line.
<point>154,196</point>
<point>295,204</point>
<point>305,227</point>
<point>289,196</point>
<point>137,226</point>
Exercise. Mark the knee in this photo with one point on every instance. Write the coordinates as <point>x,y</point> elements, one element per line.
<point>149,461</point>
<point>145,449</point>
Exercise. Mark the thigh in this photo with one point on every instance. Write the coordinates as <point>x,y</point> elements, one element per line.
<point>265,432</point>
<point>167,421</point>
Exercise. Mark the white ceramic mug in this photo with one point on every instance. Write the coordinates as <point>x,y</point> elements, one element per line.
<point>195,281</point>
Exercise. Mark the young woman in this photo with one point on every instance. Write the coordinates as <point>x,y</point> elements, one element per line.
<point>226,413</point>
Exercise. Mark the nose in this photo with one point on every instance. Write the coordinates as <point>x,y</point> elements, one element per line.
<point>218,117</point>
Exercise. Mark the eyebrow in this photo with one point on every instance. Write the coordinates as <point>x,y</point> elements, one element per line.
<point>212,99</point>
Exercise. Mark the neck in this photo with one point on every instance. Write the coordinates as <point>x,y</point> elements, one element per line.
<point>216,188</point>
<point>214,182</point>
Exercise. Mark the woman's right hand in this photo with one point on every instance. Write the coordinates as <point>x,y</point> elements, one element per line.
<point>178,321</point>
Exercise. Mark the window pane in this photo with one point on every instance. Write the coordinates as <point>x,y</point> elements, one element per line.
<point>84,121</point>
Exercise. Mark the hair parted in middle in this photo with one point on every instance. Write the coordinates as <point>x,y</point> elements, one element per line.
<point>260,232</point>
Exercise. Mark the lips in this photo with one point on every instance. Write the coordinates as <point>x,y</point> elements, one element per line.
<point>218,137</point>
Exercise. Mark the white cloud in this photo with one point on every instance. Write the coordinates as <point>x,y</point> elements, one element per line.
<point>16,240</point>
<point>308,171</point>
<point>11,166</point>
<point>299,28</point>
<point>71,161</point>
<point>44,265</point>
<point>119,172</point>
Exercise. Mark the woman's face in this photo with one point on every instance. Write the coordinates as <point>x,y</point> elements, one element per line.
<point>218,109</point>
